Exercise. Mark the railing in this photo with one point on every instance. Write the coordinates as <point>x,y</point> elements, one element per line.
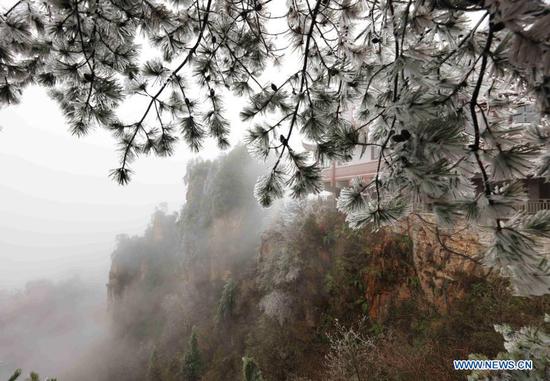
<point>533,206</point>
<point>348,171</point>
<point>530,206</point>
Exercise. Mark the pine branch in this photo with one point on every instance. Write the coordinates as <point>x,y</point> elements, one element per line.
<point>7,13</point>
<point>473,101</point>
<point>138,125</point>
<point>302,83</point>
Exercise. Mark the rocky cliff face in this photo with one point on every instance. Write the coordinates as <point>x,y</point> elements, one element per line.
<point>443,259</point>
<point>273,292</point>
<point>394,266</point>
<point>274,297</point>
<point>350,270</point>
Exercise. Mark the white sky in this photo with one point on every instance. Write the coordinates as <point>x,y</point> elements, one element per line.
<point>59,211</point>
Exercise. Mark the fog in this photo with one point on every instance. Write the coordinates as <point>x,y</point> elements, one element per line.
<point>159,281</point>
<point>59,211</point>
<point>59,216</point>
<point>49,325</point>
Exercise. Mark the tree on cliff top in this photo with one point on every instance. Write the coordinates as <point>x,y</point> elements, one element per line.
<point>32,377</point>
<point>431,84</point>
<point>154,372</point>
<point>192,362</point>
<point>251,372</point>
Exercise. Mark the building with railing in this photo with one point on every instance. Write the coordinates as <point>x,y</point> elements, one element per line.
<point>338,175</point>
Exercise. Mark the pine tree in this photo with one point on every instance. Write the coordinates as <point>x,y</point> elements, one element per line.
<point>226,302</point>
<point>33,376</point>
<point>430,84</point>
<point>192,362</point>
<point>154,373</point>
<point>15,375</point>
<point>251,372</point>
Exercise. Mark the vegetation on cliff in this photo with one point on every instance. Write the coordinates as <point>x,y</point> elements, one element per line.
<point>299,296</point>
<point>223,291</point>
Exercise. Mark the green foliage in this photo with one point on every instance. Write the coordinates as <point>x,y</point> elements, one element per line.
<point>155,371</point>
<point>251,372</point>
<point>192,366</point>
<point>15,375</point>
<point>184,271</point>
<point>311,269</point>
<point>276,349</point>
<point>376,329</point>
<point>33,376</point>
<point>146,265</point>
<point>217,189</point>
<point>226,303</point>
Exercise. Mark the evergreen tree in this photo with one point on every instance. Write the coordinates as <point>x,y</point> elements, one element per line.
<point>226,302</point>
<point>430,85</point>
<point>33,376</point>
<point>154,372</point>
<point>251,372</point>
<point>192,362</point>
<point>15,375</point>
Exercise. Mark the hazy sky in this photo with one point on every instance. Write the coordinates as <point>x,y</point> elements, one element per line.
<point>59,211</point>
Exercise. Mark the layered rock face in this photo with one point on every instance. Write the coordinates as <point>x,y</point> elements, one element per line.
<point>443,259</point>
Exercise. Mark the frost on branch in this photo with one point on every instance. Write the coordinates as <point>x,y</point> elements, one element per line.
<point>427,85</point>
<point>527,343</point>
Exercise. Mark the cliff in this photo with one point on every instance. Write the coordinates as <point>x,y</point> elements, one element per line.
<point>277,286</point>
